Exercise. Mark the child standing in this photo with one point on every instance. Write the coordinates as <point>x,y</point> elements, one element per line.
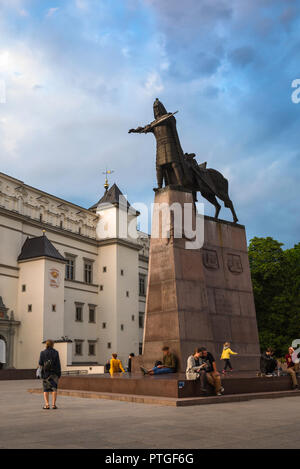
<point>226,356</point>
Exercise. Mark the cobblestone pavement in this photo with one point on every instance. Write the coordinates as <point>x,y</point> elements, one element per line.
<point>89,423</point>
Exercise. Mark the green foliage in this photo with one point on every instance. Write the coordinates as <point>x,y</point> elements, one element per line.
<point>276,285</point>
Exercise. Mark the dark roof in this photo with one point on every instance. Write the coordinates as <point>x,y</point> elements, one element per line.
<point>110,197</point>
<point>39,247</point>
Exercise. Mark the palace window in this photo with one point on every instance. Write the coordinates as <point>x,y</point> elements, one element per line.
<point>79,313</point>
<point>104,325</point>
<point>140,348</point>
<point>142,285</point>
<point>104,269</point>
<point>92,349</point>
<point>23,288</point>
<point>132,317</point>
<point>92,313</point>
<point>109,345</point>
<point>53,308</point>
<point>122,272</point>
<point>122,327</point>
<point>127,294</point>
<point>70,268</point>
<point>78,348</point>
<point>141,320</point>
<point>88,272</point>
<point>29,308</point>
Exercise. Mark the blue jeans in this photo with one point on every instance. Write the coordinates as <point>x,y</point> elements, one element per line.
<point>160,371</point>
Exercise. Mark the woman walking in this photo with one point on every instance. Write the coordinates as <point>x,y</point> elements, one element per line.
<point>51,372</point>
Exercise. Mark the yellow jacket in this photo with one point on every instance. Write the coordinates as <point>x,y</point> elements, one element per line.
<point>226,353</point>
<point>116,366</point>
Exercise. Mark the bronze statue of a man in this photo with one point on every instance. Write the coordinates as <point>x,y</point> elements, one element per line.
<point>169,154</point>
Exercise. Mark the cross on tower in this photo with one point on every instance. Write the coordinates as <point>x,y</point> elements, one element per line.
<point>106,183</point>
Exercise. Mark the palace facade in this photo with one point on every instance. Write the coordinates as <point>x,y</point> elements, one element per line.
<point>66,273</point>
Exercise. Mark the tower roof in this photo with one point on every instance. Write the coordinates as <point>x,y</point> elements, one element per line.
<point>111,196</point>
<point>39,247</point>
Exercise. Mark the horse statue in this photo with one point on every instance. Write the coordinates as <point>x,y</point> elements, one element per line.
<point>209,182</point>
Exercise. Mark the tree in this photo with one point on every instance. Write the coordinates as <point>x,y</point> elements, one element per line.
<point>276,285</point>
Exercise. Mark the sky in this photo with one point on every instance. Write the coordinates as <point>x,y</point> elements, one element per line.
<point>79,73</point>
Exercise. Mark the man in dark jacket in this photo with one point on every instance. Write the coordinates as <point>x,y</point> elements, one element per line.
<point>131,356</point>
<point>268,364</point>
<point>212,374</point>
<point>51,372</point>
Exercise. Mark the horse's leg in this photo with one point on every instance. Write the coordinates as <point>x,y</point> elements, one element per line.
<point>229,204</point>
<point>212,199</point>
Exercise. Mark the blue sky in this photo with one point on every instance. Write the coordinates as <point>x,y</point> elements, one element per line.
<point>80,73</point>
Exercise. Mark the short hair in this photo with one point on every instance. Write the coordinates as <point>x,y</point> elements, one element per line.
<point>202,349</point>
<point>131,354</point>
<point>197,350</point>
<point>165,348</point>
<point>49,343</point>
<point>114,355</point>
<point>269,349</point>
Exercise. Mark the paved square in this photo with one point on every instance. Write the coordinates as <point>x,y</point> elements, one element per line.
<point>89,423</point>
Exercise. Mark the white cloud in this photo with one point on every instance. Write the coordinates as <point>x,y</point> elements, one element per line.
<point>52,11</point>
<point>153,83</point>
<point>82,4</point>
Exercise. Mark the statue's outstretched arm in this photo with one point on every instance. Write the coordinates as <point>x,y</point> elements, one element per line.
<point>141,130</point>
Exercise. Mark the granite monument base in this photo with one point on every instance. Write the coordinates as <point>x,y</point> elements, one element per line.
<point>174,385</point>
<point>198,297</point>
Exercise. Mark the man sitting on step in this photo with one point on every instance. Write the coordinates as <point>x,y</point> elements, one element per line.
<point>168,365</point>
<point>212,374</point>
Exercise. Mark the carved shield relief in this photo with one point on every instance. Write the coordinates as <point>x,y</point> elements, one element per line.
<point>210,259</point>
<point>234,263</point>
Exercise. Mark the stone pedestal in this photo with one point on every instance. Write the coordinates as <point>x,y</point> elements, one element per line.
<point>199,297</point>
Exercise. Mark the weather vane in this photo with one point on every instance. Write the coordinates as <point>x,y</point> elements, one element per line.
<point>107,172</point>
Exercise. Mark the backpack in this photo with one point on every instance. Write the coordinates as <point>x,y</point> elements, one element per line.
<point>49,361</point>
<point>47,365</point>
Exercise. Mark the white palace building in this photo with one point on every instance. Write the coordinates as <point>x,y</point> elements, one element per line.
<point>63,278</point>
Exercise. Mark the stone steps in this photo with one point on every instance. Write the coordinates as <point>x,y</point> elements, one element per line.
<point>171,401</point>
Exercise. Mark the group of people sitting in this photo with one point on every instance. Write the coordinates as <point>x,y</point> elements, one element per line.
<point>200,365</point>
<point>270,367</point>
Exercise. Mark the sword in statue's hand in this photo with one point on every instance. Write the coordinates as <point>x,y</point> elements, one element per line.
<point>149,127</point>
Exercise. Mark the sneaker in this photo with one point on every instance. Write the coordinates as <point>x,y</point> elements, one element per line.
<point>269,375</point>
<point>143,370</point>
<point>223,372</point>
<point>222,390</point>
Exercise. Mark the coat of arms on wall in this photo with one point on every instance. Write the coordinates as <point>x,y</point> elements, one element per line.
<point>210,258</point>
<point>54,278</point>
<point>234,263</point>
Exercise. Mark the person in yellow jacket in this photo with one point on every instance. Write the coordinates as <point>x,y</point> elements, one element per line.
<point>227,352</point>
<point>116,365</point>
